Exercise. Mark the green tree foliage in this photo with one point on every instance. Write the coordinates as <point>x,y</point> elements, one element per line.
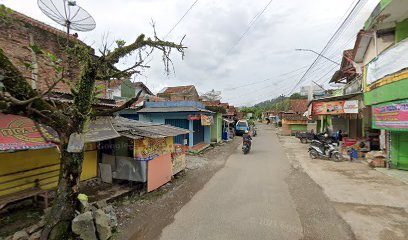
<point>297,96</point>
<point>69,120</point>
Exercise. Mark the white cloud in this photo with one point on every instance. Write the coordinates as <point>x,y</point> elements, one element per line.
<point>211,28</point>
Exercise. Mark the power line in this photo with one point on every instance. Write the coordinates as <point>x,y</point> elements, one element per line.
<point>251,24</point>
<point>185,14</point>
<point>331,40</point>
<point>267,79</point>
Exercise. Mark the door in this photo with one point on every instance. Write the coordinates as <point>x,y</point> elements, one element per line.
<point>399,150</point>
<point>198,135</point>
<point>181,123</point>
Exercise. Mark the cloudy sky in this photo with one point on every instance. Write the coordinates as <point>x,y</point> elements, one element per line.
<point>216,58</point>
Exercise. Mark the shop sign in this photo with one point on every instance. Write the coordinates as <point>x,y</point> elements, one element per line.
<point>207,120</point>
<point>391,116</point>
<point>194,117</point>
<point>20,133</point>
<point>335,107</point>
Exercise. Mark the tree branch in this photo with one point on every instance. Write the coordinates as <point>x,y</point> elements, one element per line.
<point>127,104</point>
<point>140,42</point>
<point>20,92</point>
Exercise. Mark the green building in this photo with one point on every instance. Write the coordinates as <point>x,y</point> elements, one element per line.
<point>216,128</point>
<point>383,51</point>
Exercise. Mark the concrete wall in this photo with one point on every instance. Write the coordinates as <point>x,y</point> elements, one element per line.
<point>382,44</point>
<point>389,92</point>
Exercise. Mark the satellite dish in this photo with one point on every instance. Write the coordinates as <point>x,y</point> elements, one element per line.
<point>67,14</point>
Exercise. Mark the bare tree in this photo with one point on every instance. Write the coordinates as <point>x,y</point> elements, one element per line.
<point>18,97</point>
<point>212,95</point>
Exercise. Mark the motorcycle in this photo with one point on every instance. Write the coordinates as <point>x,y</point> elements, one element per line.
<point>324,149</point>
<point>246,146</point>
<point>254,132</point>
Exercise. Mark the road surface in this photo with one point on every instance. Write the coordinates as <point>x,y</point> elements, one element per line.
<point>258,196</point>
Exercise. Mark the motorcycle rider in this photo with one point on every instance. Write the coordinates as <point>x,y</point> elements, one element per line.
<point>247,138</point>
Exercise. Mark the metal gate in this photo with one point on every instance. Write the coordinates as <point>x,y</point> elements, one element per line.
<point>181,123</point>
<point>399,150</point>
<point>198,135</point>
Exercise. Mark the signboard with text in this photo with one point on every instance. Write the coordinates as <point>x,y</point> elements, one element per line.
<point>391,116</point>
<point>335,107</point>
<point>20,133</point>
<point>207,120</point>
<point>194,117</point>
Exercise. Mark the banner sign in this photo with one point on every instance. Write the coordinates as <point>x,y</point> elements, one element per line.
<point>194,117</point>
<point>20,133</point>
<point>100,129</point>
<point>392,116</point>
<point>207,120</point>
<point>147,149</point>
<point>335,107</point>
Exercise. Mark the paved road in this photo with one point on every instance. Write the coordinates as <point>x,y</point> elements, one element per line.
<point>258,196</point>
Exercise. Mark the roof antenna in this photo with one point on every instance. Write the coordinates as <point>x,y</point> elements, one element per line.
<point>68,14</point>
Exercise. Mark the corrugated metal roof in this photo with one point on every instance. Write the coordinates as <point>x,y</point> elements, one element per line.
<point>294,117</point>
<point>138,129</point>
<point>173,109</point>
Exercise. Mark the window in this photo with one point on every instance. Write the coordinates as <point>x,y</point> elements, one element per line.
<point>242,124</point>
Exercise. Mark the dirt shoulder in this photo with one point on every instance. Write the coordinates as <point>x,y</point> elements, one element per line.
<point>144,217</point>
<point>373,204</point>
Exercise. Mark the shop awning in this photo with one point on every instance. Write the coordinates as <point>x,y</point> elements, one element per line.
<point>138,129</point>
<point>228,120</point>
<point>100,129</point>
<point>20,133</point>
<point>174,109</point>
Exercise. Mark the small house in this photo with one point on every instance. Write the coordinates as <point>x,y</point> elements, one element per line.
<point>189,115</point>
<point>144,152</point>
<point>179,93</point>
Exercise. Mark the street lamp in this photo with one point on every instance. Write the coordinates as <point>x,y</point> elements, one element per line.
<point>310,50</point>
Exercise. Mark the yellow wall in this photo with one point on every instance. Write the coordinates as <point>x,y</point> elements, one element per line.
<point>19,170</point>
<point>90,165</point>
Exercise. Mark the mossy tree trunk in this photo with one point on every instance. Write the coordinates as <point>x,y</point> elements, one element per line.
<point>58,221</point>
<point>20,98</point>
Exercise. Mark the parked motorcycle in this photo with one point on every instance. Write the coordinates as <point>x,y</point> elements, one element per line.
<point>254,133</point>
<point>324,149</point>
<point>246,146</point>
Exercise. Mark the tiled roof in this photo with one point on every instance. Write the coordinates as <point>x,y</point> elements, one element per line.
<point>142,85</point>
<point>211,103</point>
<point>41,25</point>
<point>179,89</point>
<point>298,105</point>
<point>114,83</point>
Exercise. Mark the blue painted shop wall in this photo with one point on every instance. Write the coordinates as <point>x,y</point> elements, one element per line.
<point>161,118</point>
<point>174,104</point>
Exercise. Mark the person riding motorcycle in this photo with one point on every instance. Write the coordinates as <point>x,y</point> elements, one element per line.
<point>247,138</point>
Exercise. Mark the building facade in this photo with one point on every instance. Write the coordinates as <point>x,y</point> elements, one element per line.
<point>386,77</point>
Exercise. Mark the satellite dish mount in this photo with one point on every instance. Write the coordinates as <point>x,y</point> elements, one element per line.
<point>68,14</point>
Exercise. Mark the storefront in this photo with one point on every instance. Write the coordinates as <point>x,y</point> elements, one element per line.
<point>393,117</point>
<point>29,157</point>
<point>145,153</point>
<point>332,116</point>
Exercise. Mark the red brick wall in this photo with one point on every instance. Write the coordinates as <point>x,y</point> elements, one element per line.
<point>14,40</point>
